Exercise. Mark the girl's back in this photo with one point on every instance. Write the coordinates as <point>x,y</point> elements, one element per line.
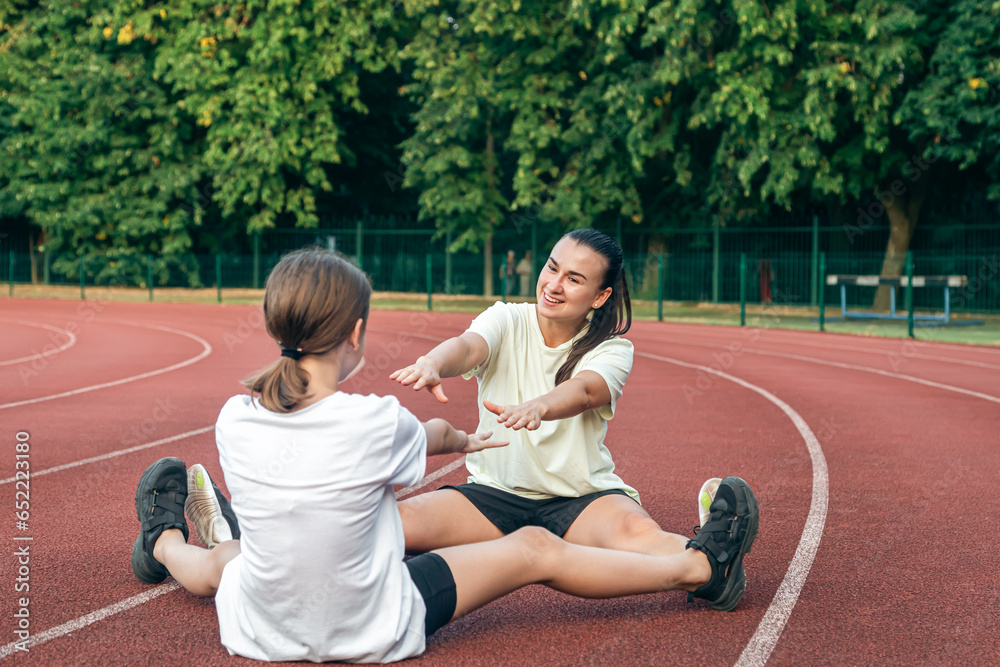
<point>321,575</point>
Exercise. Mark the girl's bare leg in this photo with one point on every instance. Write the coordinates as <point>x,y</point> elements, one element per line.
<point>443,518</point>
<point>485,572</point>
<point>198,570</point>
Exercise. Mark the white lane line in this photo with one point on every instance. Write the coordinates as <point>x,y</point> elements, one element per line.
<point>45,353</point>
<point>89,619</point>
<point>837,364</point>
<point>162,589</point>
<point>437,474</point>
<point>762,642</point>
<point>207,350</point>
<point>888,353</point>
<point>980,349</point>
<point>111,455</point>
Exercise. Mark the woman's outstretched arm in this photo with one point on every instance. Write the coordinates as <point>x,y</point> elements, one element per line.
<point>586,391</point>
<point>453,357</point>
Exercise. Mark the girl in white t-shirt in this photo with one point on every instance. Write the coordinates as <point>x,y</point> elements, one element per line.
<point>318,572</point>
<point>551,373</point>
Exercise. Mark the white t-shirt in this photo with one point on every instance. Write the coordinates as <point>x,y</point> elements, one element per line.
<point>321,574</point>
<point>565,457</point>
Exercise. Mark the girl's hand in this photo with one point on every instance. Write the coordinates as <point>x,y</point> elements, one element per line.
<point>527,415</point>
<point>478,441</point>
<point>422,374</point>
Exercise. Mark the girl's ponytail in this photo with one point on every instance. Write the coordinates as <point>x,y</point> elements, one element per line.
<point>312,302</point>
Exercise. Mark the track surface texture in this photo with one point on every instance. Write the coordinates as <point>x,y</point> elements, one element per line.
<point>874,462</point>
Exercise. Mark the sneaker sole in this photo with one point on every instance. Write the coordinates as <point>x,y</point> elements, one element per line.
<point>736,585</point>
<point>202,501</point>
<point>705,498</point>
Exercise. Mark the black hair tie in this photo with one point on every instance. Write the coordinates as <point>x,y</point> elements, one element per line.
<point>292,353</point>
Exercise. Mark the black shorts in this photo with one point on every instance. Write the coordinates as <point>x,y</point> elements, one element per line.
<point>433,579</point>
<point>508,512</point>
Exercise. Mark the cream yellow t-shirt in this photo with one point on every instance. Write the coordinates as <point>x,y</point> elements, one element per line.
<point>564,457</point>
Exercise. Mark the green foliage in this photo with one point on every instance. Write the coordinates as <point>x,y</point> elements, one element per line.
<point>130,127</point>
<point>87,151</point>
<point>955,113</point>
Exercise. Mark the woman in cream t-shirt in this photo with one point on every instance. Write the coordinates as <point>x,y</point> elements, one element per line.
<point>551,374</point>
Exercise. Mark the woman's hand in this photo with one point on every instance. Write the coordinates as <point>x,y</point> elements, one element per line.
<point>478,441</point>
<point>422,374</point>
<point>527,415</point>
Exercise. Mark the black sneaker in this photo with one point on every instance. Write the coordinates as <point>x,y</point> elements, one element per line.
<point>725,538</point>
<point>159,504</point>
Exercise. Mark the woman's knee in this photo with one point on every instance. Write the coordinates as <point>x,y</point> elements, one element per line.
<point>637,527</point>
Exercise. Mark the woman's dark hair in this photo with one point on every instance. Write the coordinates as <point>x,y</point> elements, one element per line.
<point>614,317</point>
<point>312,302</point>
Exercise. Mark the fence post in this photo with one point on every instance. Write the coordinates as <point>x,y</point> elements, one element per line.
<point>83,263</point>
<point>430,303</point>
<point>359,238</point>
<point>10,271</point>
<point>447,263</point>
<point>716,266</point>
<point>659,288</point>
<point>149,275</point>
<point>743,289</point>
<point>218,278</point>
<point>822,291</point>
<point>256,259</point>
<point>909,293</point>
<point>816,285</point>
<point>45,264</point>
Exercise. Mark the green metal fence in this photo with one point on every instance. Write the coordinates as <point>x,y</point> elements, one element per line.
<point>698,264</point>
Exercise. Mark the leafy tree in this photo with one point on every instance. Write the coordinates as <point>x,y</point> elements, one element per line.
<point>128,128</point>
<point>664,112</point>
<point>83,153</point>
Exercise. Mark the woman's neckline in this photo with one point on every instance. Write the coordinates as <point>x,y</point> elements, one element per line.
<point>541,337</point>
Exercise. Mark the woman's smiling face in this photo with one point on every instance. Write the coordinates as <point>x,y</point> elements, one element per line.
<point>569,285</point>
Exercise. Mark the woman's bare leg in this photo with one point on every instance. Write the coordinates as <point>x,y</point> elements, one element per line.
<point>618,522</point>
<point>485,572</point>
<point>444,518</point>
<point>198,570</point>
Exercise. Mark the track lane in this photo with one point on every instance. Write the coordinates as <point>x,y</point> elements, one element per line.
<point>563,625</point>
<point>899,473</point>
<point>22,334</point>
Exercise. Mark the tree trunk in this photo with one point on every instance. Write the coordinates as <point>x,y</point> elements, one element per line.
<point>488,244</point>
<point>488,266</point>
<point>657,245</point>
<point>33,256</point>
<point>902,221</point>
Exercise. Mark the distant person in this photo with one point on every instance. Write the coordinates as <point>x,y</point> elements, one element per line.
<point>524,272</point>
<point>766,275</point>
<point>509,268</point>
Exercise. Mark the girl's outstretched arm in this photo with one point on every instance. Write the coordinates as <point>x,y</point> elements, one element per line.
<point>443,438</point>
<point>586,391</point>
<point>453,357</point>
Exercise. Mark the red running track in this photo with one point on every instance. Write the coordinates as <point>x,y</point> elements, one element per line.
<point>873,461</point>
